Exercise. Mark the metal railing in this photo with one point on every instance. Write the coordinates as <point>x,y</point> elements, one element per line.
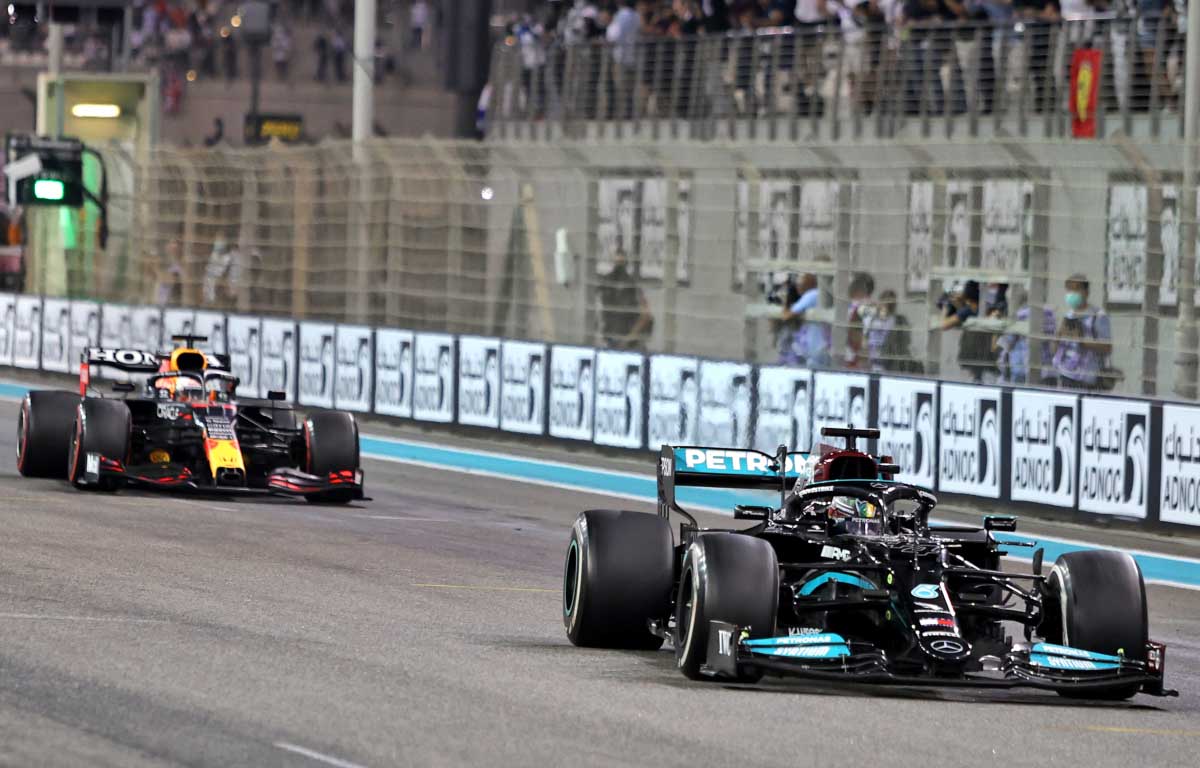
<point>966,79</point>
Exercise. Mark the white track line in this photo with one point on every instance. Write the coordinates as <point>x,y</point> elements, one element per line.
<point>113,619</point>
<point>320,757</point>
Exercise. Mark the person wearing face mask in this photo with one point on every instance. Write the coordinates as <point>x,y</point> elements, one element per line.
<point>1084,339</point>
<point>625,319</point>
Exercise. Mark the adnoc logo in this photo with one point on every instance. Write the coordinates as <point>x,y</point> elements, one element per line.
<point>1114,460</point>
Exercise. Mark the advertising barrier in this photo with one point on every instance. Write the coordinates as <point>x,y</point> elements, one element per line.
<point>354,368</point>
<point>1094,456</point>
<point>394,373</point>
<point>523,390</point>
<point>433,378</point>
<point>572,392</point>
<point>277,360</point>
<point>479,381</point>
<point>783,405</point>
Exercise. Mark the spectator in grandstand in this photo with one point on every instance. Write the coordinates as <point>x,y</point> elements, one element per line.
<point>997,14</point>
<point>229,53</point>
<point>1012,348</point>
<point>1156,20</point>
<point>802,341</point>
<point>222,276</point>
<point>809,18</point>
<point>889,339</point>
<point>168,276</point>
<point>862,287</point>
<point>1037,16</point>
<point>321,46</point>
<point>533,63</point>
<point>623,33</point>
<point>337,46</point>
<point>975,354</point>
<point>625,318</point>
<point>418,20</point>
<point>281,49</point>
<point>931,44</point>
<point>1084,347</point>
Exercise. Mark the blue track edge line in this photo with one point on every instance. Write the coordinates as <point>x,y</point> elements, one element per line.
<point>1160,568</point>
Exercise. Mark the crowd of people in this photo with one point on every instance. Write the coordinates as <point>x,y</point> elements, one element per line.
<point>189,40</point>
<point>896,47</point>
<point>993,321</point>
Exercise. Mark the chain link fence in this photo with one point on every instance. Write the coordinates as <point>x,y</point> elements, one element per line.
<point>947,260</point>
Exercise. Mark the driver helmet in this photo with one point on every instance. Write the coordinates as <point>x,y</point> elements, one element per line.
<point>851,507</point>
<point>188,389</point>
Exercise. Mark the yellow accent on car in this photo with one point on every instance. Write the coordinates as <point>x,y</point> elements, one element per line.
<point>159,456</point>
<point>224,454</point>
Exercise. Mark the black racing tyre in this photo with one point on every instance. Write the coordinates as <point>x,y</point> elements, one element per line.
<point>617,577</point>
<point>331,445</point>
<point>725,577</point>
<point>44,426</point>
<point>101,426</point>
<point>1097,602</point>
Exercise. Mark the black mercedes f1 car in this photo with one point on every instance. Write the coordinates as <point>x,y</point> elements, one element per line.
<point>176,422</point>
<point>846,579</point>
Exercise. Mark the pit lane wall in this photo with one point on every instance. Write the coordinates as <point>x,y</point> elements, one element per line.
<point>1088,456</point>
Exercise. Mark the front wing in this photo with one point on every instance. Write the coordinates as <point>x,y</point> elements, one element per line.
<point>833,658</point>
<point>344,484</point>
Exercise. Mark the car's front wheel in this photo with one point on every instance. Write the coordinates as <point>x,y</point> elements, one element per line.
<point>331,445</point>
<point>101,428</point>
<point>726,577</point>
<point>1096,601</point>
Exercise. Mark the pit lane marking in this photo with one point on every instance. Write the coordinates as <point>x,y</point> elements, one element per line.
<point>488,587</point>
<point>1129,730</point>
<point>312,754</point>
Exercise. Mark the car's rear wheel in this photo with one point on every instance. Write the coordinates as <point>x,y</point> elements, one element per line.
<point>617,577</point>
<point>331,445</point>
<point>101,427</point>
<point>44,426</point>
<point>1097,602</point>
<point>725,577</point>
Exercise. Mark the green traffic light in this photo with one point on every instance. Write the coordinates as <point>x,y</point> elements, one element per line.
<point>48,189</point>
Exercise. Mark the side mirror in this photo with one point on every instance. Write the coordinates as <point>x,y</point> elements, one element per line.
<point>277,395</point>
<point>1006,523</point>
<point>750,512</point>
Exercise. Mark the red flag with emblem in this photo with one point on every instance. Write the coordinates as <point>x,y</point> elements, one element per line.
<point>1085,87</point>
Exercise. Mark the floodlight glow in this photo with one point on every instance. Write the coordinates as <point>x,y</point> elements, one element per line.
<point>108,111</point>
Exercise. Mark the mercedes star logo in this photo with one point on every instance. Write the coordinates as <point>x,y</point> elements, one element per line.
<point>947,646</point>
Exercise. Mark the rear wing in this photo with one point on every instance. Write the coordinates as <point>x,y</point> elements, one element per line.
<point>709,467</point>
<point>129,362</point>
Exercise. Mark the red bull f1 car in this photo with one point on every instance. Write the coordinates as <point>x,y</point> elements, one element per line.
<point>846,579</point>
<point>175,422</point>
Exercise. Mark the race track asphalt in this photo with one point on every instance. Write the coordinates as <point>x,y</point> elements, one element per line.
<point>423,628</point>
